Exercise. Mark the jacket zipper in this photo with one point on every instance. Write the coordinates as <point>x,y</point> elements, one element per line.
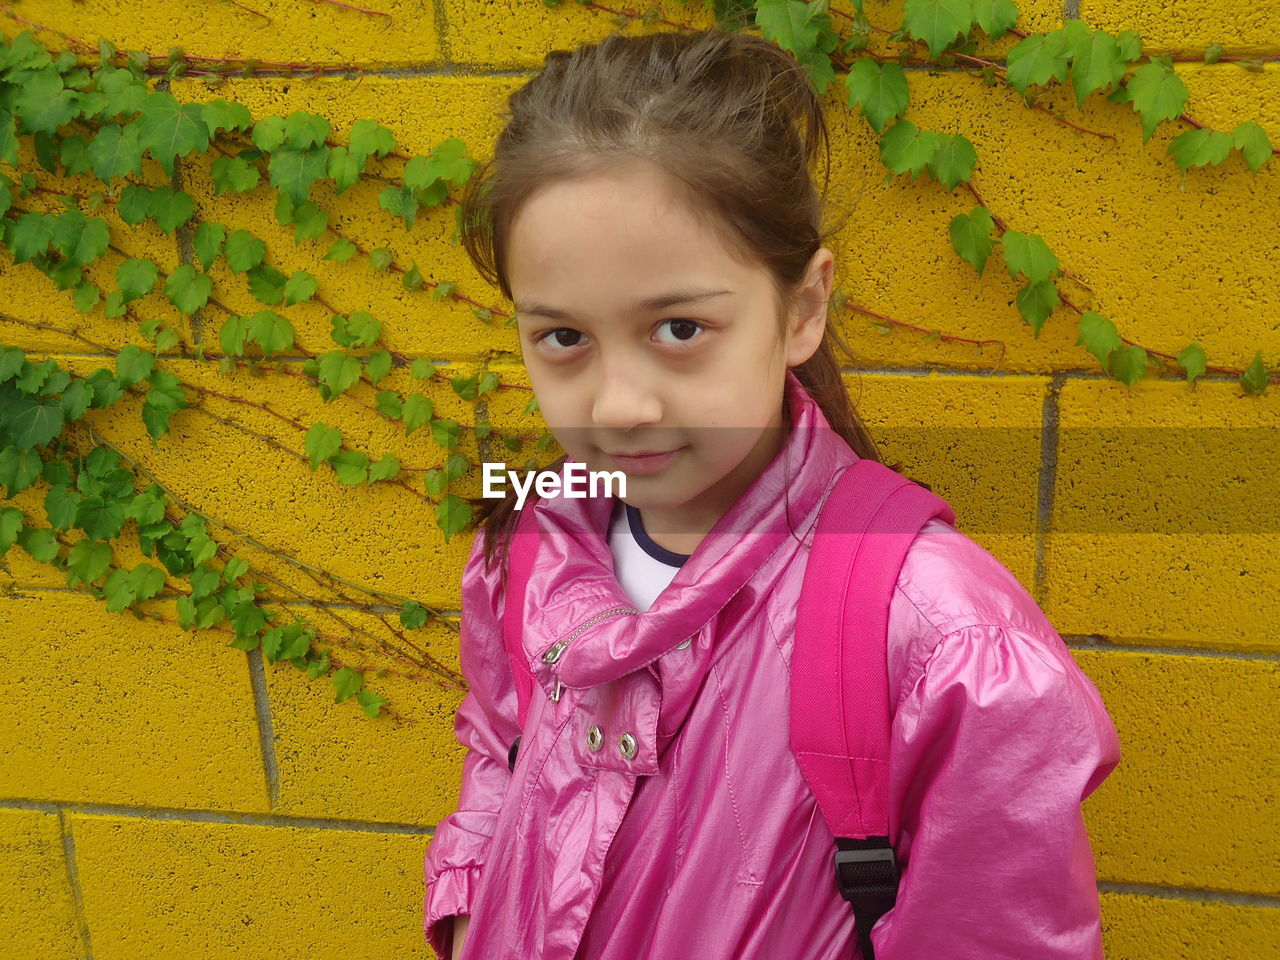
<point>556,649</point>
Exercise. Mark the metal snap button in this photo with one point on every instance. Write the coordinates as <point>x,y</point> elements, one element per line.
<point>595,737</point>
<point>627,744</point>
<point>681,646</point>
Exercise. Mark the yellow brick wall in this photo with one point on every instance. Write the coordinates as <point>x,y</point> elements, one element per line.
<point>165,795</point>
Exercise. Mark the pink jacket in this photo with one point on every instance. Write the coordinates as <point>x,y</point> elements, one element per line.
<point>707,844</point>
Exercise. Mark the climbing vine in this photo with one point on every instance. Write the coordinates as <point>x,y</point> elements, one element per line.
<point>91,112</point>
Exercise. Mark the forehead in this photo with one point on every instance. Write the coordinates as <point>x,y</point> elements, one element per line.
<point>612,236</point>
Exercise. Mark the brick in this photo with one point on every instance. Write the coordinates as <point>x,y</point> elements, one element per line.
<point>163,888</point>
<point>404,766</point>
<point>1191,802</point>
<point>975,441</point>
<point>1165,515</point>
<point>295,33</point>
<point>1134,925</point>
<point>421,112</point>
<point>37,908</point>
<point>102,708</point>
<point>1244,30</point>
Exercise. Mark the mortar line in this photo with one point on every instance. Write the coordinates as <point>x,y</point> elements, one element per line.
<point>24,591</point>
<point>1046,483</point>
<point>266,733</point>
<point>1190,893</point>
<point>1071,10</point>
<point>1093,642</point>
<point>174,814</point>
<point>73,878</point>
<point>442,32</point>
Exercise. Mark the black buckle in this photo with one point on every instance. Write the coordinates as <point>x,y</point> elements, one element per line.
<point>866,868</point>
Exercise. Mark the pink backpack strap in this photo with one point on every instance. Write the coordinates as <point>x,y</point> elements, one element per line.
<point>522,551</point>
<point>840,712</point>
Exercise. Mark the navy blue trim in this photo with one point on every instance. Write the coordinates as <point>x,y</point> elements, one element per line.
<point>658,552</point>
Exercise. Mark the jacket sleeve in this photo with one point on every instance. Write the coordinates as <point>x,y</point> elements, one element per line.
<point>995,746</point>
<point>486,724</point>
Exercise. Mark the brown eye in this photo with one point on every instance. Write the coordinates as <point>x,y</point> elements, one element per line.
<point>562,337</point>
<point>683,330</point>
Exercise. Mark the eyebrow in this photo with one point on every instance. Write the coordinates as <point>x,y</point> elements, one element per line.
<point>659,302</point>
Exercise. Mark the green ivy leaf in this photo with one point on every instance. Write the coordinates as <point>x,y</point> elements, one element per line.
<point>1037,59</point>
<point>453,515</point>
<point>188,290</point>
<point>1192,360</point>
<point>171,129</point>
<point>995,17</point>
<point>378,365</point>
<point>904,147</point>
<point>60,506</point>
<point>244,251</point>
<point>115,152</point>
<point>416,411</point>
<point>1156,93</point>
<point>266,283</point>
<point>1036,301</point>
<point>227,115</point>
<point>880,90</point>
<point>368,137</point>
<point>208,242</point>
<point>1253,144</point>
<point>455,466</point>
<point>341,251</point>
<point>101,519</point>
<point>322,442</point>
<point>971,236</point>
<point>413,615</point>
<point>422,369</point>
<point>337,370</point>
<point>31,421</point>
<point>87,561</point>
<point>170,208</point>
<point>136,277</point>
<point>1096,62</point>
<point>351,466</point>
<point>445,433</point>
<point>386,467</point>
<point>1027,254</point>
<point>371,702</point>
<point>1129,364</point>
<point>346,682</point>
<point>1099,336</point>
<point>389,404</point>
<point>232,335</point>
<point>234,175</point>
<point>937,22</point>
<point>803,29</point>
<point>953,161</point>
<point>1254,377</point>
<point>40,542</point>
<point>294,171</point>
<point>435,481</point>
<point>270,331</point>
<point>1199,148</point>
<point>133,365</point>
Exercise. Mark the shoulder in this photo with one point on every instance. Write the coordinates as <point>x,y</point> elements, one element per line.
<point>948,584</point>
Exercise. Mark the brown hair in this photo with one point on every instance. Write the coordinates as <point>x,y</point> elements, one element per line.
<point>729,116</point>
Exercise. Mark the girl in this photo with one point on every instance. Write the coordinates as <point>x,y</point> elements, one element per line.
<point>649,211</point>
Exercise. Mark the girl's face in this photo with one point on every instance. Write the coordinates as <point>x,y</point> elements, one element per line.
<point>641,332</point>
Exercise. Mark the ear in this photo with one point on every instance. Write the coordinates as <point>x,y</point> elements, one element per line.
<point>808,320</point>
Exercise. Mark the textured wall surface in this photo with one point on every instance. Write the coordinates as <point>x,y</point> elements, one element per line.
<point>165,795</point>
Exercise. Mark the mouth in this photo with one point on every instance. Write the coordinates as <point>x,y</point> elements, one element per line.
<point>644,461</point>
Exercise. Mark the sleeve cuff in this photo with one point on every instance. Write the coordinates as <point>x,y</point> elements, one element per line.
<point>447,896</point>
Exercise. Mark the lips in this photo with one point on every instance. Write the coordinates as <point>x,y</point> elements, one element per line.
<point>644,462</point>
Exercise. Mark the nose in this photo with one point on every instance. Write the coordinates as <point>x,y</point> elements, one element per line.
<point>625,398</point>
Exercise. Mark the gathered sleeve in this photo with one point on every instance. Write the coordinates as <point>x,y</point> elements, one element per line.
<point>994,747</point>
<point>486,724</point>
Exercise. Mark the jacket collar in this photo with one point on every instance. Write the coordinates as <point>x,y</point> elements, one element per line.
<point>573,581</point>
